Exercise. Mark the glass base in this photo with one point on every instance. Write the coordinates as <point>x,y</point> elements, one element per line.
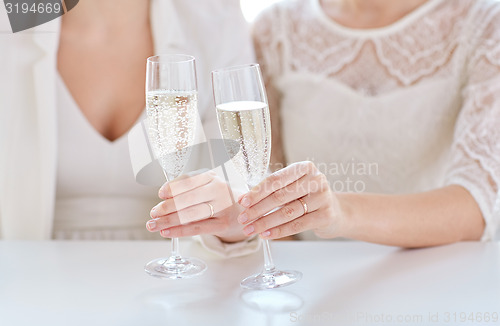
<point>270,280</point>
<point>175,268</point>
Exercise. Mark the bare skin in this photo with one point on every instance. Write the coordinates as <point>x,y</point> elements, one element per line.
<point>102,53</point>
<point>365,14</point>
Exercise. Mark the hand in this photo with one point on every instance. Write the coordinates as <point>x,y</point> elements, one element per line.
<point>189,202</point>
<point>281,192</point>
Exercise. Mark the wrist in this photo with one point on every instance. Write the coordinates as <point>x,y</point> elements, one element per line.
<point>345,216</point>
<point>340,218</point>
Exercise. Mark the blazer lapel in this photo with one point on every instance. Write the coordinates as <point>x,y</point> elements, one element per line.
<point>168,34</point>
<point>46,37</point>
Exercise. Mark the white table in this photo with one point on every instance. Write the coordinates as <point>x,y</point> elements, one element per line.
<point>344,283</point>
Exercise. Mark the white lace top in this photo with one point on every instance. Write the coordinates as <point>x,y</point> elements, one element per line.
<point>399,109</point>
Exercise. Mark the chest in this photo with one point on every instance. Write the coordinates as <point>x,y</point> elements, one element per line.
<point>105,75</point>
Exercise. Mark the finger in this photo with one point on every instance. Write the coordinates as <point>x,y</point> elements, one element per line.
<point>195,196</point>
<point>304,223</point>
<point>164,208</point>
<point>208,226</point>
<point>157,224</point>
<point>275,181</point>
<point>185,183</point>
<point>285,214</point>
<point>305,185</point>
<point>185,216</point>
<point>206,193</point>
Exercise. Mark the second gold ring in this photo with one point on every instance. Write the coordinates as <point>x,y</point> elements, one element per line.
<point>304,205</point>
<point>212,212</point>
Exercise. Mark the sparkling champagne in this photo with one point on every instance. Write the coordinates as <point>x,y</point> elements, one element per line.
<point>248,124</point>
<point>171,128</point>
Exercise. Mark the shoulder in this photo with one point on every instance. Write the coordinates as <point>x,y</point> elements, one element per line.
<point>465,15</point>
<point>485,18</point>
<point>268,15</point>
<point>4,20</point>
<point>284,9</point>
<point>215,31</point>
<point>201,13</point>
<point>210,22</point>
<point>281,12</point>
<point>484,8</point>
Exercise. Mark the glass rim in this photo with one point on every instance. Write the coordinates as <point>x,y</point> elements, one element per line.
<point>236,67</point>
<point>170,58</point>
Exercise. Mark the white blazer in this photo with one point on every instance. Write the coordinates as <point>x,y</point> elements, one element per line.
<point>214,31</point>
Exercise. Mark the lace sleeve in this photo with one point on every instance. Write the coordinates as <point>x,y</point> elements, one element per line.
<point>475,162</point>
<point>268,49</point>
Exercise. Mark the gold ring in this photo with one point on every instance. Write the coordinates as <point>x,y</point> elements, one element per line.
<point>212,212</point>
<point>304,205</point>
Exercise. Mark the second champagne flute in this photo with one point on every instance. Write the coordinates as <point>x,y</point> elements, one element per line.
<point>243,116</point>
<point>171,105</point>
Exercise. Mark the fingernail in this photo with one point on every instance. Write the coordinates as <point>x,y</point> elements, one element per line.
<point>152,213</point>
<point>248,230</point>
<point>151,224</point>
<point>245,202</point>
<point>266,233</point>
<point>165,233</point>
<point>243,218</point>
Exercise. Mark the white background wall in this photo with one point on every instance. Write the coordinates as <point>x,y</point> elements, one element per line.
<point>251,8</point>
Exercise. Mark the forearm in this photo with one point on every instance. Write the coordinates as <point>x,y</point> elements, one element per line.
<point>441,216</point>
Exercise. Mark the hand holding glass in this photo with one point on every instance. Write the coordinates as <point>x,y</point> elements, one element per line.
<point>243,115</point>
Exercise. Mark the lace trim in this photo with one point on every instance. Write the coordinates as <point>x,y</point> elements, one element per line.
<point>374,32</point>
<point>296,40</point>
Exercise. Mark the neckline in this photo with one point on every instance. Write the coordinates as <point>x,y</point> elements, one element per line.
<point>378,31</point>
<point>62,86</point>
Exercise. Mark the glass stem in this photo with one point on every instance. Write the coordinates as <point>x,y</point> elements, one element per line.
<point>176,255</point>
<point>175,249</point>
<point>268,259</point>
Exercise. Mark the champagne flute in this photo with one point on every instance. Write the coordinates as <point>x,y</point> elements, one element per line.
<point>171,106</point>
<point>243,116</point>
